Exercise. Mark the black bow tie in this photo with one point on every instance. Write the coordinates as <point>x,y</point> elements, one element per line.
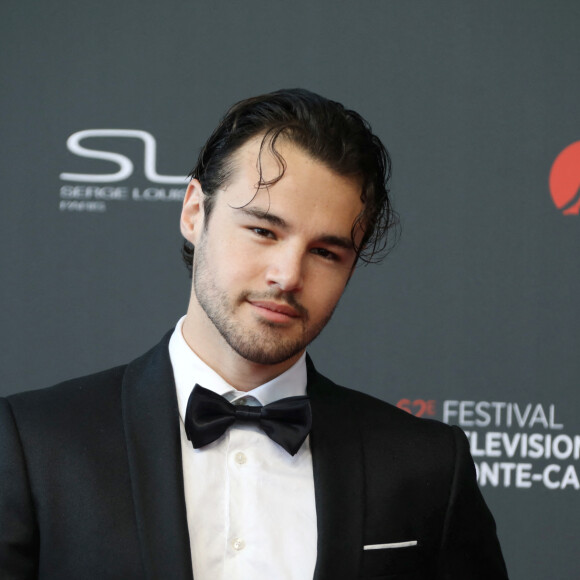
<point>208,416</point>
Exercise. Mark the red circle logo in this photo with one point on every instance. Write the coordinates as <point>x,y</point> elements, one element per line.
<point>565,180</point>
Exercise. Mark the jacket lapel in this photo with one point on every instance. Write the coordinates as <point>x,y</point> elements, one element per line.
<point>339,481</point>
<point>151,422</point>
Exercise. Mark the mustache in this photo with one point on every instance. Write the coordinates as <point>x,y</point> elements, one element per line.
<point>285,297</point>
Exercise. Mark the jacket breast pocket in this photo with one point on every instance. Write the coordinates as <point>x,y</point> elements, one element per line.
<point>392,564</point>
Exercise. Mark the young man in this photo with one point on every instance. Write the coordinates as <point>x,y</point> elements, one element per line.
<point>222,453</point>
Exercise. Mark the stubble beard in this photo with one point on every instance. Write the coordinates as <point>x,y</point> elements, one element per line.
<point>264,344</point>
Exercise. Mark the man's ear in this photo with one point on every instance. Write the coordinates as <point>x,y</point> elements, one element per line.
<point>192,214</point>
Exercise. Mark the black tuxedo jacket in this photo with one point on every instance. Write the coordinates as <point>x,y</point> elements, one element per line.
<point>91,485</point>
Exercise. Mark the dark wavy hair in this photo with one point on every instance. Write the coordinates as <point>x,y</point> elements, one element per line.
<point>339,138</point>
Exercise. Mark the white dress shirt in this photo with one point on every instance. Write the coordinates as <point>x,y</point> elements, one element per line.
<point>250,505</point>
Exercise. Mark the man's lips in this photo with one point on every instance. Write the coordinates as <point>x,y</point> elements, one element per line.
<point>275,310</point>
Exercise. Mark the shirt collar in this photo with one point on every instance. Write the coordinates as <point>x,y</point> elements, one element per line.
<point>189,369</point>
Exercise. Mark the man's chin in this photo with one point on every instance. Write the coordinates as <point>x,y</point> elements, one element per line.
<point>264,354</point>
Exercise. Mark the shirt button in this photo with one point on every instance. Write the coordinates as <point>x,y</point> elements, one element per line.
<point>238,544</point>
<point>241,458</point>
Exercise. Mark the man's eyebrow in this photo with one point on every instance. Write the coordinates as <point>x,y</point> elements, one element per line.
<point>339,241</point>
<point>264,215</point>
<point>329,239</point>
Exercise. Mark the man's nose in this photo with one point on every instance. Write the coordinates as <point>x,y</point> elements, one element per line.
<point>287,270</point>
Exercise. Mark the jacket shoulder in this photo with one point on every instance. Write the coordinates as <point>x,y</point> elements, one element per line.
<point>95,390</point>
<point>69,392</point>
<point>375,414</point>
<point>70,409</point>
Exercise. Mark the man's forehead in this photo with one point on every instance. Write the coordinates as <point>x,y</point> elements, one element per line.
<point>264,163</point>
<point>258,169</point>
<point>262,158</point>
<point>287,186</point>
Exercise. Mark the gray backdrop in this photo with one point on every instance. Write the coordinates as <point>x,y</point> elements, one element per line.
<point>472,319</point>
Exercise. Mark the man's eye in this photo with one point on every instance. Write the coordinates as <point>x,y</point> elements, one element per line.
<point>262,232</point>
<point>324,253</point>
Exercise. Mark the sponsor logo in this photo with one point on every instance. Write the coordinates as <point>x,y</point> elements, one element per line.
<point>512,444</point>
<point>565,180</point>
<point>93,191</point>
<point>418,407</point>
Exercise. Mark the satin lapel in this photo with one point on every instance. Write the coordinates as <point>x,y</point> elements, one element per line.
<point>339,482</point>
<point>151,422</point>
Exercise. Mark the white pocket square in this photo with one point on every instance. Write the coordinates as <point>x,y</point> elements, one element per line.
<point>389,546</point>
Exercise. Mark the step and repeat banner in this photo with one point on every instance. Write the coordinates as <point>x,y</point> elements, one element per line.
<point>473,319</point>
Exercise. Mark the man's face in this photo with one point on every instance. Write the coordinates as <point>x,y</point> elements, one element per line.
<point>270,266</point>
